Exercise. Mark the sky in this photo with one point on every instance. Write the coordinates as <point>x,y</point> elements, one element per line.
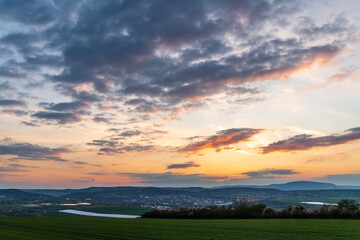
<point>178,93</point>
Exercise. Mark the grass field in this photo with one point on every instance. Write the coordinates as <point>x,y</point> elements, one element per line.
<point>111,210</point>
<point>119,210</point>
<point>12,228</point>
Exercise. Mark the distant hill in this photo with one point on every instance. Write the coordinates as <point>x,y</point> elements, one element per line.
<point>52,192</point>
<point>274,195</point>
<point>122,192</point>
<point>228,190</point>
<point>296,185</point>
<point>303,185</point>
<point>15,194</point>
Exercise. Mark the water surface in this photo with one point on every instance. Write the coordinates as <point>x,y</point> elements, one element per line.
<point>91,214</point>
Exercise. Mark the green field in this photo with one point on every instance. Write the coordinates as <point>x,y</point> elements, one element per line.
<point>13,228</point>
<point>118,210</point>
<point>53,210</point>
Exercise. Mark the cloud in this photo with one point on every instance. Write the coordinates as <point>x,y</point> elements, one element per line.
<point>30,124</point>
<point>307,141</point>
<point>222,139</point>
<point>96,173</point>
<point>85,163</point>
<point>57,117</point>
<point>338,25</point>
<point>35,12</point>
<point>343,74</point>
<point>169,178</point>
<point>15,112</point>
<point>160,57</point>
<point>183,165</point>
<point>28,151</point>
<point>11,169</point>
<point>11,103</point>
<point>269,173</point>
<point>15,167</point>
<point>65,106</point>
<point>118,142</point>
<point>4,86</point>
<point>84,180</point>
<point>100,119</point>
<point>130,133</point>
<point>102,143</point>
<point>122,149</point>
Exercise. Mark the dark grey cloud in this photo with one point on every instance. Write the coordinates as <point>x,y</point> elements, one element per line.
<point>123,149</point>
<point>30,124</point>
<point>160,56</point>
<point>339,25</point>
<point>102,143</point>
<point>9,71</point>
<point>130,133</point>
<point>84,180</point>
<point>115,143</point>
<point>102,119</point>
<point>65,106</point>
<point>15,167</point>
<point>57,117</point>
<point>188,164</point>
<point>15,112</point>
<point>11,103</point>
<point>305,141</point>
<point>85,164</point>
<point>4,86</point>
<point>169,178</point>
<point>269,173</point>
<point>69,112</point>
<point>96,173</point>
<point>27,151</point>
<point>29,12</point>
<point>222,139</point>
<point>11,169</point>
<point>22,41</point>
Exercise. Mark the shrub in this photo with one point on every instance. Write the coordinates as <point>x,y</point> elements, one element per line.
<point>268,213</point>
<point>345,209</point>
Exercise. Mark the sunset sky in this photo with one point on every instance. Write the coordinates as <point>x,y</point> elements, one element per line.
<point>178,93</point>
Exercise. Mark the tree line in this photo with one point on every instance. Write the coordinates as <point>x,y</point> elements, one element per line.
<point>343,209</point>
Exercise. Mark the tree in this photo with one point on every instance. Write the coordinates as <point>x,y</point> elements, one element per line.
<point>348,205</point>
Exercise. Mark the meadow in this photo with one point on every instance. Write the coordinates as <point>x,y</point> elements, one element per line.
<point>103,228</point>
<point>118,210</point>
<point>54,211</point>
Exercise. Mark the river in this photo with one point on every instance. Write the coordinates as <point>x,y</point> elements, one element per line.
<point>91,214</point>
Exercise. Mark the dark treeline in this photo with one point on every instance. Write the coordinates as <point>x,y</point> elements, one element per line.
<point>344,209</point>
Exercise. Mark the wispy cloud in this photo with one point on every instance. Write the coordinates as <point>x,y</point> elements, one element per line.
<point>269,173</point>
<point>28,151</point>
<point>11,103</point>
<point>15,112</point>
<point>222,139</point>
<point>188,164</point>
<point>169,178</point>
<point>306,141</point>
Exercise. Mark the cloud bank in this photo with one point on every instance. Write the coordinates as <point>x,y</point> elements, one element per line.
<point>159,57</point>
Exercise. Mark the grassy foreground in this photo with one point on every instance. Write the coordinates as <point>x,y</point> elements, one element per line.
<point>118,210</point>
<point>103,228</point>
